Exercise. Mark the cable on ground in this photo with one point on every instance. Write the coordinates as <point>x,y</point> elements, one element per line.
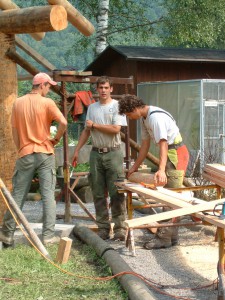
<point>154,285</point>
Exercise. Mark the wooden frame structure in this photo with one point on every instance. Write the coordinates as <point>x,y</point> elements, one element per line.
<point>181,206</point>
<point>13,20</point>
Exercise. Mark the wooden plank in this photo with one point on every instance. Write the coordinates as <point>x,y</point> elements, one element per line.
<point>155,195</point>
<point>214,179</point>
<point>91,79</point>
<point>219,175</point>
<point>180,196</point>
<point>34,54</point>
<point>176,203</point>
<point>216,168</point>
<point>77,73</point>
<point>173,213</point>
<point>64,250</point>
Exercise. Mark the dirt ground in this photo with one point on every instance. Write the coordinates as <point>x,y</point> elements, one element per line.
<point>190,264</point>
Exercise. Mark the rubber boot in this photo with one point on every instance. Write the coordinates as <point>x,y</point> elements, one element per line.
<point>162,239</point>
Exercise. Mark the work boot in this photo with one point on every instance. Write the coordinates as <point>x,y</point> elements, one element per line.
<point>119,234</point>
<point>6,239</point>
<point>103,234</point>
<point>52,240</point>
<point>174,237</point>
<point>162,239</point>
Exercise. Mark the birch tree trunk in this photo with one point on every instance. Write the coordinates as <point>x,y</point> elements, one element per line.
<point>102,26</point>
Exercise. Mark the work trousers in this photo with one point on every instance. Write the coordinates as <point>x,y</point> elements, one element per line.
<point>105,169</point>
<point>176,166</point>
<point>25,168</point>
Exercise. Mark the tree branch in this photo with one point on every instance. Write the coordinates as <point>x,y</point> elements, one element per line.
<point>136,25</point>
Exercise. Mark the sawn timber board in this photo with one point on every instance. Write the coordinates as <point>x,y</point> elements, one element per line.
<point>184,208</point>
<point>173,213</point>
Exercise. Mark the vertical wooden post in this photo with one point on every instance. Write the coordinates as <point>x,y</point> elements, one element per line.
<point>129,205</point>
<point>66,160</point>
<point>8,94</point>
<point>221,288</point>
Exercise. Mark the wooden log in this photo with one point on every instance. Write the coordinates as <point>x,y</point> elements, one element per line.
<point>141,177</point>
<point>34,54</point>
<point>75,17</point>
<point>8,4</point>
<point>33,19</point>
<point>64,248</point>
<point>137,147</point>
<point>135,287</point>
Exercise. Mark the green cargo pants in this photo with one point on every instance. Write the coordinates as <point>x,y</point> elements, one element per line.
<point>105,169</point>
<point>24,171</point>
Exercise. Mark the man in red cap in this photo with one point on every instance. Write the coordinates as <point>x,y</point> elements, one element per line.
<point>32,116</point>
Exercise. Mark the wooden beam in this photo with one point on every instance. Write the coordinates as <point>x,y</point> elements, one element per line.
<point>173,213</point>
<point>90,79</point>
<point>24,77</point>
<point>63,253</point>
<point>33,19</point>
<point>27,66</point>
<point>77,73</point>
<point>8,4</point>
<point>34,54</point>
<point>75,17</point>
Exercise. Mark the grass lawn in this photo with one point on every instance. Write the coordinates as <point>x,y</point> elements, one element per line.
<point>25,275</point>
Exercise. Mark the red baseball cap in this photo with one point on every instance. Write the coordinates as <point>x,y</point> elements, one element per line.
<point>42,78</point>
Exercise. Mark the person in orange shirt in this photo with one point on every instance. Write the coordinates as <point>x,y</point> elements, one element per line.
<point>32,116</point>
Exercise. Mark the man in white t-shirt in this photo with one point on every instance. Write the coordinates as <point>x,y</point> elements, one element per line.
<point>160,127</point>
<point>103,124</point>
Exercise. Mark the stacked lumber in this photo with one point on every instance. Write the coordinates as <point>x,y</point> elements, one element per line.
<point>215,173</point>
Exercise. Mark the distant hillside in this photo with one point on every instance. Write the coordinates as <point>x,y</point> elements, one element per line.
<point>70,48</point>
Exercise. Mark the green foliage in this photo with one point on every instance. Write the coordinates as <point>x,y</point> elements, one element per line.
<point>194,23</point>
<point>130,22</point>
<point>82,167</point>
<point>35,278</point>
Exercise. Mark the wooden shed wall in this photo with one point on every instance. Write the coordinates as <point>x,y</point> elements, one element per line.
<point>116,65</point>
<point>171,71</point>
